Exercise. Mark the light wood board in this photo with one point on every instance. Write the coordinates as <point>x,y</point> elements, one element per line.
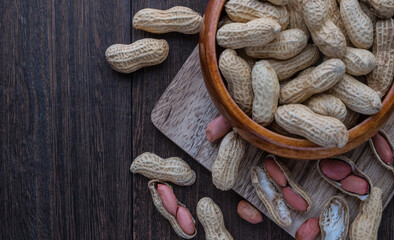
<point>184,111</point>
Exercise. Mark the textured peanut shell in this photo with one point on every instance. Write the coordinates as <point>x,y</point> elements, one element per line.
<point>211,218</point>
<point>266,93</point>
<point>381,78</point>
<point>273,201</point>
<point>351,118</point>
<point>356,171</point>
<point>359,61</point>
<point>287,68</point>
<point>358,25</point>
<point>284,18</point>
<point>366,224</point>
<point>279,2</point>
<point>293,184</point>
<point>382,8</point>
<point>142,53</point>
<point>176,19</point>
<point>172,169</point>
<point>357,96</point>
<point>327,105</point>
<point>253,33</point>
<point>296,19</point>
<point>225,20</point>
<point>325,34</point>
<point>331,225</point>
<point>152,185</point>
<point>322,130</point>
<point>320,79</point>
<point>306,71</point>
<point>225,169</point>
<point>367,10</point>
<point>372,146</point>
<point>247,10</point>
<point>286,45</point>
<point>238,75</point>
<point>251,61</point>
<point>335,16</point>
<point>280,130</point>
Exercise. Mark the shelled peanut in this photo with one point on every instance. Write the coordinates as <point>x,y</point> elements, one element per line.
<point>309,230</point>
<point>175,212</point>
<point>383,148</point>
<point>249,213</point>
<point>367,221</point>
<point>142,53</point>
<point>217,128</point>
<point>173,169</point>
<point>334,219</point>
<point>276,189</point>
<point>343,174</point>
<point>211,218</point>
<point>176,19</point>
<point>225,168</point>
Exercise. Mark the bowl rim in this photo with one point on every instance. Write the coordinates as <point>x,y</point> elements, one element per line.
<point>254,133</point>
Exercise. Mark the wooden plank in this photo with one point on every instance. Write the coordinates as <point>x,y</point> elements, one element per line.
<point>184,111</point>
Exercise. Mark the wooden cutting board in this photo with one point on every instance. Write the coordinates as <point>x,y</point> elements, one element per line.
<point>184,111</point>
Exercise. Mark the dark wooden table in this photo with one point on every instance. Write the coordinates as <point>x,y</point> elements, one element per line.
<point>70,127</point>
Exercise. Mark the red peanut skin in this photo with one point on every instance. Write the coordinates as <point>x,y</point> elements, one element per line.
<point>249,213</point>
<point>309,230</point>
<point>218,128</point>
<point>294,200</point>
<point>383,148</point>
<point>355,184</point>
<point>335,169</point>
<point>168,198</point>
<point>275,172</point>
<point>185,220</point>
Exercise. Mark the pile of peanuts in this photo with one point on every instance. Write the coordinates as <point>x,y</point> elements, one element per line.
<point>327,96</point>
<point>337,78</point>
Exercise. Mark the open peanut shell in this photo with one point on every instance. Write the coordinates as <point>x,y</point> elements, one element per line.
<point>371,144</point>
<point>355,171</point>
<point>291,182</point>
<point>159,206</point>
<point>270,196</point>
<point>334,219</point>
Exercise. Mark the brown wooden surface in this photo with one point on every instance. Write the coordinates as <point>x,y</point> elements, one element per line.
<point>70,127</point>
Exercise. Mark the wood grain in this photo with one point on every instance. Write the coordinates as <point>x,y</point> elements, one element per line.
<point>184,111</point>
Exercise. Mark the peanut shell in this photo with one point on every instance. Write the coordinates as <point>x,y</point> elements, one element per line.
<point>225,169</point>
<point>321,130</point>
<point>355,171</point>
<point>327,105</point>
<point>254,33</point>
<point>367,221</point>
<point>211,218</point>
<point>176,19</point>
<point>286,45</point>
<point>334,219</point>
<point>391,145</point>
<point>287,68</point>
<point>271,198</point>
<point>238,75</point>
<point>266,92</point>
<point>320,79</point>
<point>142,53</point>
<point>359,61</point>
<point>357,96</point>
<point>159,206</point>
<point>296,19</point>
<point>172,169</point>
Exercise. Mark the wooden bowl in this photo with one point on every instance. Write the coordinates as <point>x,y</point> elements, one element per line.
<point>254,133</point>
